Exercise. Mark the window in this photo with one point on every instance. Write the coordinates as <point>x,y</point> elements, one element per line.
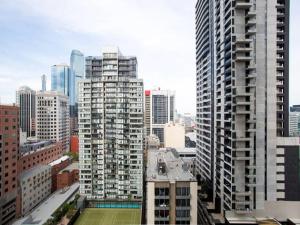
<point>162,213</point>
<point>161,202</point>
<point>183,202</point>
<point>161,191</point>
<point>182,213</point>
<point>182,222</point>
<point>183,191</point>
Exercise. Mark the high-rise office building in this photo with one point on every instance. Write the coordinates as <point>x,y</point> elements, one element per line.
<point>25,98</point>
<point>77,70</point>
<point>294,125</point>
<point>44,82</point>
<point>242,100</point>
<point>9,148</point>
<point>63,81</point>
<point>111,128</point>
<point>52,117</point>
<point>159,110</point>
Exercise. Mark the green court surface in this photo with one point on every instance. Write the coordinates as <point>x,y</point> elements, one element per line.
<point>109,217</point>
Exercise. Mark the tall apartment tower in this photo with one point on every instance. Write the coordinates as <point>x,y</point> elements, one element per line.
<point>25,99</point>
<point>44,82</point>
<point>242,99</point>
<point>9,148</point>
<point>52,117</point>
<point>111,128</point>
<point>159,110</point>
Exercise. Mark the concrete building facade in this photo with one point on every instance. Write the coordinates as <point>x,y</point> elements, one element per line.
<point>242,99</point>
<point>9,148</point>
<point>171,190</point>
<point>111,128</point>
<point>174,135</point>
<point>35,186</point>
<point>52,117</point>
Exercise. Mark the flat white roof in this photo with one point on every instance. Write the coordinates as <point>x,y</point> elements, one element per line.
<point>58,161</point>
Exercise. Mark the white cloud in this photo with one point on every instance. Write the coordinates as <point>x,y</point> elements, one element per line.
<point>160,33</point>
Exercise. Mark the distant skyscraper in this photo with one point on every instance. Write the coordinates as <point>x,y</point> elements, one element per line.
<point>111,128</point>
<point>52,117</point>
<point>44,82</point>
<point>77,68</point>
<point>77,62</point>
<point>242,103</point>
<point>25,98</point>
<point>9,149</point>
<point>294,124</point>
<point>295,108</point>
<point>63,81</point>
<point>159,110</point>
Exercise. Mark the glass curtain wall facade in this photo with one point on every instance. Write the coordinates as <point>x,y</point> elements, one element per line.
<point>25,98</point>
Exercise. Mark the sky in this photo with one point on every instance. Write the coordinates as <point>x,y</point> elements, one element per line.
<point>36,34</point>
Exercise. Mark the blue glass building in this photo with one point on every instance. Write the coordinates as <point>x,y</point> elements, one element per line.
<point>77,69</point>
<point>62,80</point>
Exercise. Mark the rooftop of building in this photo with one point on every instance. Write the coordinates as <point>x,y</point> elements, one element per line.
<point>191,136</point>
<point>31,146</point>
<point>9,106</point>
<point>71,167</point>
<point>25,89</point>
<point>58,161</point>
<point>273,211</point>
<point>33,171</point>
<point>165,165</point>
<point>294,221</point>
<point>158,91</point>
<point>51,94</point>
<point>186,150</point>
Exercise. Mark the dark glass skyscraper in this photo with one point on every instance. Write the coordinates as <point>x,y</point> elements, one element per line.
<point>25,98</point>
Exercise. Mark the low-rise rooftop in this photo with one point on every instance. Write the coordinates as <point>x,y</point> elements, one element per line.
<point>33,171</point>
<point>58,161</point>
<point>164,165</point>
<point>33,146</point>
<point>43,212</point>
<point>73,166</point>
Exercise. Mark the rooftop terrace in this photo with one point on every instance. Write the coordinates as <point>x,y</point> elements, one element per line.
<point>164,165</point>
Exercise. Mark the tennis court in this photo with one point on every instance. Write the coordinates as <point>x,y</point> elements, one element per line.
<point>93,216</point>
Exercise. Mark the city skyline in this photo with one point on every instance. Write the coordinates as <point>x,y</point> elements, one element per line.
<point>48,37</point>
